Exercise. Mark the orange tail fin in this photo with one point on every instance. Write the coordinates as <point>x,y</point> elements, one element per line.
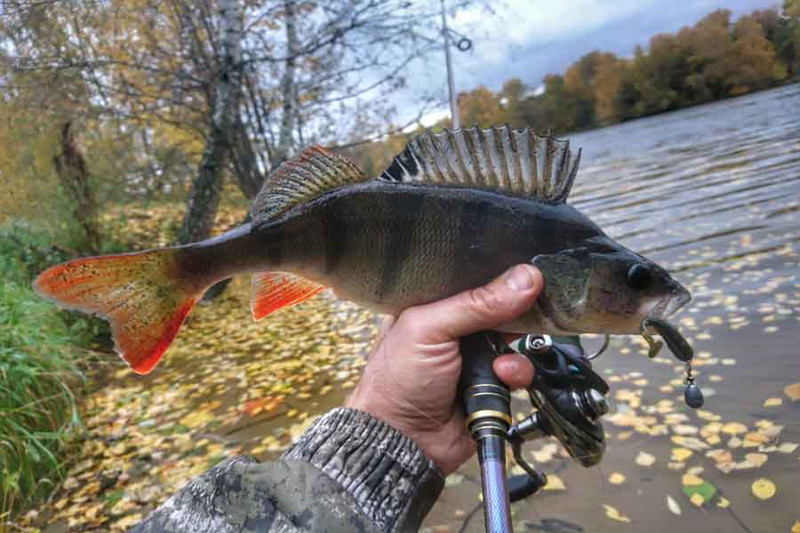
<point>141,294</point>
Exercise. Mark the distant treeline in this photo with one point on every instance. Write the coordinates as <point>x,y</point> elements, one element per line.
<point>711,60</point>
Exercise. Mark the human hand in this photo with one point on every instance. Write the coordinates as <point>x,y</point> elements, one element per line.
<point>411,378</point>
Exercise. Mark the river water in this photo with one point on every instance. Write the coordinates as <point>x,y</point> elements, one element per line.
<point>713,194</point>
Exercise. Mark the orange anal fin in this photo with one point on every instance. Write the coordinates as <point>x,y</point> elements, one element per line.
<point>274,290</point>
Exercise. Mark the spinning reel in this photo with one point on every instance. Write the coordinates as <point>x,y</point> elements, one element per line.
<point>569,398</point>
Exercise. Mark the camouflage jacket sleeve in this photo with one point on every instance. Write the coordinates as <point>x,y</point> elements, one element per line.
<point>348,472</point>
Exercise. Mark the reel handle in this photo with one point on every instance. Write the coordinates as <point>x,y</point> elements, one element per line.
<point>487,410</point>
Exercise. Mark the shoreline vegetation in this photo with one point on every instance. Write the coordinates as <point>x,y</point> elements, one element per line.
<point>715,59</point>
<point>45,354</point>
<point>39,376</point>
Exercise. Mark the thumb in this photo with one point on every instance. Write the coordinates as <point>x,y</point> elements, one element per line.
<point>485,308</point>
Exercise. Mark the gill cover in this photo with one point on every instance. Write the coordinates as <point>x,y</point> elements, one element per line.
<point>566,283</point>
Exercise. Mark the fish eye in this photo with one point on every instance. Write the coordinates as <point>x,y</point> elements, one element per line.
<point>638,277</point>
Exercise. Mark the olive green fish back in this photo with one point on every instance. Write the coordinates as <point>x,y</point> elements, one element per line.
<point>518,162</point>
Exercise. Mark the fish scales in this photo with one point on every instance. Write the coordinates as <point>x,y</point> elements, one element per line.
<point>452,211</point>
<point>398,243</point>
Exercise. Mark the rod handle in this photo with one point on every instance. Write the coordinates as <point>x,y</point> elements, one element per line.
<point>486,399</point>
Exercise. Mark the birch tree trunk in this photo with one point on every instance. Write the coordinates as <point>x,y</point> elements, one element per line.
<point>207,186</point>
<point>288,89</point>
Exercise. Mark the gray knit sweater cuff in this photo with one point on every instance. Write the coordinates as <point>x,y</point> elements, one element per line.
<point>392,481</point>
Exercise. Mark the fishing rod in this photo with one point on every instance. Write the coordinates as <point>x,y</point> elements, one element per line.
<point>569,398</point>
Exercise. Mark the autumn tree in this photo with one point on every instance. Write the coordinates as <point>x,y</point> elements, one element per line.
<point>792,31</point>
<point>608,77</point>
<point>709,43</point>
<point>752,58</point>
<point>511,95</point>
<point>556,109</point>
<point>580,81</point>
<point>782,30</point>
<point>148,78</point>
<point>480,106</point>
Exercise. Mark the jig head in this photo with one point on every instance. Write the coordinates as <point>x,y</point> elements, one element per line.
<point>682,351</point>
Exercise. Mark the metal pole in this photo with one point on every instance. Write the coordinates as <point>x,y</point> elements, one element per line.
<point>450,82</point>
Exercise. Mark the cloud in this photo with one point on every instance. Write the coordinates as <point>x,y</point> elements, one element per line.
<point>527,39</point>
<point>536,22</point>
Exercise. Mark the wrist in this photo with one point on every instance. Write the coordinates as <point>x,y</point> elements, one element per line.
<point>382,469</point>
<point>441,440</point>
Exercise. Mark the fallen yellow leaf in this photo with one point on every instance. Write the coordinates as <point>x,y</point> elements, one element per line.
<point>616,478</point>
<point>773,402</point>
<point>723,503</point>
<point>720,456</point>
<point>554,483</point>
<point>681,454</point>
<point>645,459</point>
<point>691,480</point>
<point>708,415</point>
<point>787,447</point>
<point>197,419</point>
<point>764,489</point>
<point>734,428</point>
<point>756,459</point>
<point>614,514</point>
<point>128,521</point>
<point>796,527</point>
<point>793,392</point>
<point>697,499</point>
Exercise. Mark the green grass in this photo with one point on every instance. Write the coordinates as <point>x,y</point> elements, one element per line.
<point>38,373</point>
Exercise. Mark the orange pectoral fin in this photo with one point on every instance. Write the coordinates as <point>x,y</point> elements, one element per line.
<point>274,290</point>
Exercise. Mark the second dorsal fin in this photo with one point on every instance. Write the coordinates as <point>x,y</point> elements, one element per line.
<point>312,173</point>
<point>519,162</point>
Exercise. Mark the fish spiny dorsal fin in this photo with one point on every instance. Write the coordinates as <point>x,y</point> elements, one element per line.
<point>518,162</point>
<point>312,173</point>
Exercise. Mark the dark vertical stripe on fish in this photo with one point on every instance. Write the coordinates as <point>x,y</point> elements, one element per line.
<point>270,241</point>
<point>400,240</point>
<point>466,240</point>
<point>335,236</point>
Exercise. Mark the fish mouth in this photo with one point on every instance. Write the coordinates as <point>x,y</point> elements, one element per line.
<point>669,305</point>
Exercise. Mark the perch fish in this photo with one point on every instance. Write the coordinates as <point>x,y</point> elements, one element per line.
<point>452,211</point>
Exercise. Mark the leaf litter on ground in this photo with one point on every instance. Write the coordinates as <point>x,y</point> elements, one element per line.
<point>231,386</point>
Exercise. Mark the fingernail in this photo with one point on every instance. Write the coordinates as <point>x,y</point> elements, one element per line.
<point>519,278</point>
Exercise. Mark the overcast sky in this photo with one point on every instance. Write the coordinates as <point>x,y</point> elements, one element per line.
<point>530,38</point>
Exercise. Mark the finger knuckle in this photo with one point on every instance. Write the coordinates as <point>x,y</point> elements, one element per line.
<point>485,301</point>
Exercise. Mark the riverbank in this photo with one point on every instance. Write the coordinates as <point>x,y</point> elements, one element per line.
<point>712,192</point>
